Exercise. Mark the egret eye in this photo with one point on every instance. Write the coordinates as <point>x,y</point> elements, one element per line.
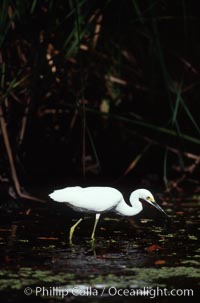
<point>151,199</point>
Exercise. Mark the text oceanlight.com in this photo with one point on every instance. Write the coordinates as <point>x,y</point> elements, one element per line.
<point>85,291</point>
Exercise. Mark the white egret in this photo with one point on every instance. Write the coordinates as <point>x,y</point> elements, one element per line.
<point>99,200</point>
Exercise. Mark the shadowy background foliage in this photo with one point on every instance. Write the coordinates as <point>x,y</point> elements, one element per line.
<point>99,89</point>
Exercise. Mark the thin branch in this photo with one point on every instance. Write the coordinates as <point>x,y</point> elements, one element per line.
<point>11,160</point>
<point>24,123</point>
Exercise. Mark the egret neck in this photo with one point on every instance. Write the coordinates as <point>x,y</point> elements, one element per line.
<point>124,209</point>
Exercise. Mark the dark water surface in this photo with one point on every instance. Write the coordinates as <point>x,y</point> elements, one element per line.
<point>129,256</point>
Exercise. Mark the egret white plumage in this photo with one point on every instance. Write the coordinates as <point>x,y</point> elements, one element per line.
<point>99,200</point>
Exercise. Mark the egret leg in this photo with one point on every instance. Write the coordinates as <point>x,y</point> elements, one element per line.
<point>95,225</point>
<point>72,229</point>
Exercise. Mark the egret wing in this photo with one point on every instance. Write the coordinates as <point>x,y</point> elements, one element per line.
<point>88,199</point>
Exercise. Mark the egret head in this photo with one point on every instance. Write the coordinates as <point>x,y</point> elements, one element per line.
<point>146,195</point>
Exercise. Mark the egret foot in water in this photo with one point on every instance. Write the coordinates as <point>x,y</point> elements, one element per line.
<point>72,229</point>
